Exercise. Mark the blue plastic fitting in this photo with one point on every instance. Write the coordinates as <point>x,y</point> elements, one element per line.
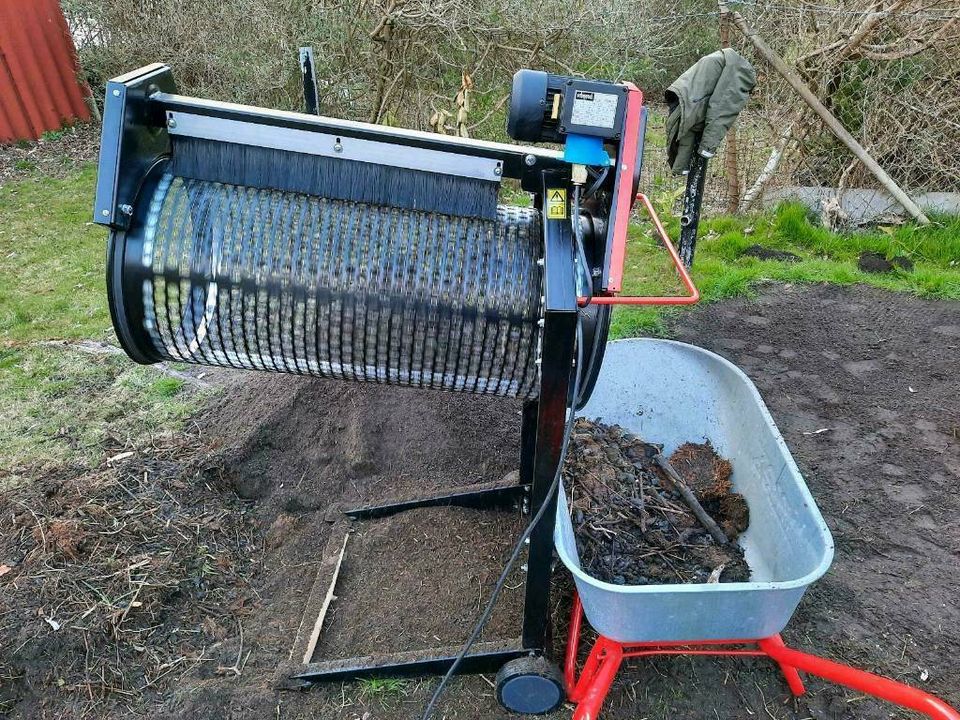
<point>585,150</point>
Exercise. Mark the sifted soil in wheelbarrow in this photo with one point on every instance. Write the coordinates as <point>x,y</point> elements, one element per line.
<point>631,523</point>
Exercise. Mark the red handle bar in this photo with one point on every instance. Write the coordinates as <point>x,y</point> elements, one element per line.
<point>694,294</point>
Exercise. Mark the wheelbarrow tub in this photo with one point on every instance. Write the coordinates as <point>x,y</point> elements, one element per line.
<point>671,393</point>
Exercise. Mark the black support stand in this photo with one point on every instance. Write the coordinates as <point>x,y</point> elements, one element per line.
<point>541,443</point>
<point>311,102</point>
<point>692,200</point>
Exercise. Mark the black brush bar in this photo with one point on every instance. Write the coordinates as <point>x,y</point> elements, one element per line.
<point>517,161</point>
<point>329,176</point>
<point>334,146</point>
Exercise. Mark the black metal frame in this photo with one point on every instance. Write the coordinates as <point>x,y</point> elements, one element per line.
<point>541,441</point>
<point>311,101</point>
<point>500,496</point>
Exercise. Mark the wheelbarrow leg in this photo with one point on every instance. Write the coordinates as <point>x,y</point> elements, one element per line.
<point>596,679</point>
<point>573,646</point>
<point>790,673</point>
<point>591,688</point>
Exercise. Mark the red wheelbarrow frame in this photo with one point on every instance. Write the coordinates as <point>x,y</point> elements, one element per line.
<point>590,689</point>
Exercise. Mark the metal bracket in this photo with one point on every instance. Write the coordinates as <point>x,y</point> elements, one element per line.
<point>133,138</point>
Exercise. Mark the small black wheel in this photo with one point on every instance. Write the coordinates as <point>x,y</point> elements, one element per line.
<point>530,686</point>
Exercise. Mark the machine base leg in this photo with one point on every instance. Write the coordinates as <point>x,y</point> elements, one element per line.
<point>486,657</point>
<point>600,668</point>
<point>499,496</point>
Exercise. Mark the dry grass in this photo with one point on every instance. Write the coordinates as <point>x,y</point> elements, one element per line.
<point>58,154</point>
<point>390,61</point>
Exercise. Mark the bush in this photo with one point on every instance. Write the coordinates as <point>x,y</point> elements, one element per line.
<point>393,61</point>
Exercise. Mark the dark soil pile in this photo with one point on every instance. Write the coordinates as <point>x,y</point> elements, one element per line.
<point>632,525</point>
<point>872,262</point>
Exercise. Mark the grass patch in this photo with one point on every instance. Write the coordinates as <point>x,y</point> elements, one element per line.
<point>722,271</point>
<point>58,405</point>
<point>383,688</point>
<point>51,260</point>
<point>67,406</point>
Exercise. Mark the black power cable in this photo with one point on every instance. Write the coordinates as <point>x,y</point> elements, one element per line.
<point>501,581</point>
<point>578,238</point>
<point>597,183</point>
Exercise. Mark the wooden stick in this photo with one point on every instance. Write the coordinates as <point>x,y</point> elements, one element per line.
<point>318,625</point>
<point>829,120</point>
<point>773,162</point>
<point>691,500</point>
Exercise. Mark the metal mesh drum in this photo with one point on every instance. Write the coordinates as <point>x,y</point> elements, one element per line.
<point>244,277</point>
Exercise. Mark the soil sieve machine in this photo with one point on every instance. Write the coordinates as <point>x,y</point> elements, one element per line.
<point>287,242</point>
<point>258,239</point>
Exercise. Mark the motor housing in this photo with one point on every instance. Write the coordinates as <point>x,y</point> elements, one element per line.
<point>550,108</point>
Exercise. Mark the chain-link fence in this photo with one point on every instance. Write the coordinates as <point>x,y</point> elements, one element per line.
<point>889,70</point>
<point>890,74</point>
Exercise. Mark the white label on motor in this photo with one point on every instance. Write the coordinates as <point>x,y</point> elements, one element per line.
<point>594,109</point>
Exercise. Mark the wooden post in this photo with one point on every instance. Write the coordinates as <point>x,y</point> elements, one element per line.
<point>730,166</point>
<point>831,122</point>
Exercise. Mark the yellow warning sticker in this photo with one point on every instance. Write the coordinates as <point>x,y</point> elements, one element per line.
<point>556,203</point>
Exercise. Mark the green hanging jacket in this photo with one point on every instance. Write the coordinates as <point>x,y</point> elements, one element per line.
<point>704,102</point>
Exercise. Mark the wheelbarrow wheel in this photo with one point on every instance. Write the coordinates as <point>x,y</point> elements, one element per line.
<point>530,686</point>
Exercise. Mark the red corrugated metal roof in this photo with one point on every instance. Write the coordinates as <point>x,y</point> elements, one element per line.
<point>40,88</point>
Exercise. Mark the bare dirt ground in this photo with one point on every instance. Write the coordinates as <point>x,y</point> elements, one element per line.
<point>172,583</point>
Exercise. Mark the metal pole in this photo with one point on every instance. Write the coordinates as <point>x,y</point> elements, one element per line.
<point>556,352</point>
<point>308,71</point>
<point>692,200</point>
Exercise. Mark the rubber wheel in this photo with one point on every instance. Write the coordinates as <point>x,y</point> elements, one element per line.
<point>530,686</point>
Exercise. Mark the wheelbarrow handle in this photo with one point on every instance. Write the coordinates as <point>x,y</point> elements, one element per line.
<point>881,687</point>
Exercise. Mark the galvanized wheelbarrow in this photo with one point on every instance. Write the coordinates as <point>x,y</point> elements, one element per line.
<point>669,392</point>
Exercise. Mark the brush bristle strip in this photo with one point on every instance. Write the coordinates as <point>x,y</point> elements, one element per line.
<point>334,178</point>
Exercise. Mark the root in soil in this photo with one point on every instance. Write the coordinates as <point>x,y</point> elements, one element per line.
<point>631,524</point>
